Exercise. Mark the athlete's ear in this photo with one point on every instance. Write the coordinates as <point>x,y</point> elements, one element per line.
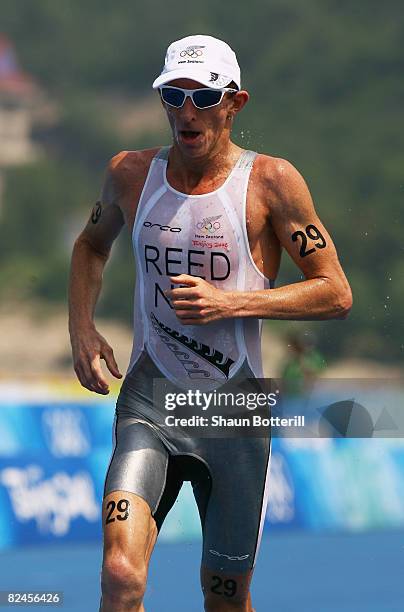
<point>239,100</point>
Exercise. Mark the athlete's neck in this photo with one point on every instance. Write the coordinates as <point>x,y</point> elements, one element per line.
<point>193,172</point>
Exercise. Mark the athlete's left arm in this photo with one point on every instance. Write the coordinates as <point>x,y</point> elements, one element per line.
<point>324,294</point>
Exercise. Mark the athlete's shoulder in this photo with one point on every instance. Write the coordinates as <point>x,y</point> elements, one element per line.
<point>128,165</point>
<point>278,173</point>
<point>280,177</point>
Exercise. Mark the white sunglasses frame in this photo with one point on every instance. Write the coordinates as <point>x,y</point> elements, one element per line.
<point>188,94</point>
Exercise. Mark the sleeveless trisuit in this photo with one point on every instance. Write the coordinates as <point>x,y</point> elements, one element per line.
<point>206,236</point>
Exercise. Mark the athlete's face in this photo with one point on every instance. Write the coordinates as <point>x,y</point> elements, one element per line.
<point>200,132</point>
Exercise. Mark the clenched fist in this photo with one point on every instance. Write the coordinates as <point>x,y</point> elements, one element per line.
<point>199,302</point>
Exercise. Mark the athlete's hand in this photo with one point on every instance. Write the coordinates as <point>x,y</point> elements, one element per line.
<point>199,302</point>
<point>89,347</point>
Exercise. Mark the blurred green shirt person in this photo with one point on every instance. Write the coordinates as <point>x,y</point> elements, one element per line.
<point>302,368</point>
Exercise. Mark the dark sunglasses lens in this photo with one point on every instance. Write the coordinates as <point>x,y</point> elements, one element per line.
<point>206,97</point>
<point>172,96</point>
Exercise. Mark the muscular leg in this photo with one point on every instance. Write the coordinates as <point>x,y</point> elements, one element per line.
<point>130,534</point>
<point>232,510</point>
<point>140,470</point>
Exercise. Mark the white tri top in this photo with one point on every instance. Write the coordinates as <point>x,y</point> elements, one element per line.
<point>201,235</point>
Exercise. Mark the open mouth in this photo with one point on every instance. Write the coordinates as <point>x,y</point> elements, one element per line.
<point>189,136</point>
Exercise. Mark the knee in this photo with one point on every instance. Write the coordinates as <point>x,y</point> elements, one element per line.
<point>122,579</point>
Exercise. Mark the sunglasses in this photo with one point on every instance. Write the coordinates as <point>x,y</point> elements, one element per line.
<point>201,98</point>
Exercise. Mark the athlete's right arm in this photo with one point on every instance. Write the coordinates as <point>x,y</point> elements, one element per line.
<point>90,253</point>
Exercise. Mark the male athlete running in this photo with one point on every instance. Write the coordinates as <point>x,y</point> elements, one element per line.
<point>208,221</point>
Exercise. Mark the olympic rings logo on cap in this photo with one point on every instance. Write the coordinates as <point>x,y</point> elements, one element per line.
<point>192,52</point>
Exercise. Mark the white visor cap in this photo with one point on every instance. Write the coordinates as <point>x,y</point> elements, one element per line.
<point>204,59</point>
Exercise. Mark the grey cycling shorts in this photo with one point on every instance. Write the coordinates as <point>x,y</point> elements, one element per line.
<point>229,476</point>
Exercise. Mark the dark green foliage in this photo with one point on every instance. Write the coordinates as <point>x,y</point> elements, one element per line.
<point>327,93</point>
